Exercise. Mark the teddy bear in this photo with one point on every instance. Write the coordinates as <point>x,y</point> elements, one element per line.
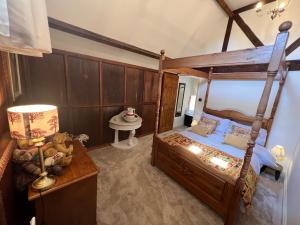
<point>56,153</point>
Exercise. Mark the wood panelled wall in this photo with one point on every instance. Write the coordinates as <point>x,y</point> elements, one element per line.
<point>8,212</point>
<point>89,91</point>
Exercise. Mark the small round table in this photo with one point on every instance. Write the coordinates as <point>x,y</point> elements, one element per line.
<point>118,123</point>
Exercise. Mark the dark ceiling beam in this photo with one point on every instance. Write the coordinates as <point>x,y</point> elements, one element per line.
<point>247,31</point>
<point>251,6</point>
<point>292,47</point>
<point>294,65</point>
<point>227,34</point>
<point>69,28</point>
<point>241,23</point>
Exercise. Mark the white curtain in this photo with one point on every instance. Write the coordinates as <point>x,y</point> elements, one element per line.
<point>24,27</point>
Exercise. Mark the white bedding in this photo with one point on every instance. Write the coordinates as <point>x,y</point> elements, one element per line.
<point>261,156</point>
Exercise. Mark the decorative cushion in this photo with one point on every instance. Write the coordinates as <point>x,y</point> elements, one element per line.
<point>237,141</point>
<point>205,127</point>
<point>223,124</point>
<point>244,130</point>
<point>200,129</point>
<point>240,131</point>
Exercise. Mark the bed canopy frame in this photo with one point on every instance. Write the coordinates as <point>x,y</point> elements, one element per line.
<point>273,56</point>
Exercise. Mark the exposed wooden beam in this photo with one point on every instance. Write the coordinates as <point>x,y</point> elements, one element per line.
<point>225,7</point>
<point>251,6</point>
<point>241,23</point>
<point>251,56</point>
<point>292,47</point>
<point>247,31</point>
<point>241,76</point>
<point>227,34</point>
<point>294,65</point>
<point>69,28</point>
<point>188,72</point>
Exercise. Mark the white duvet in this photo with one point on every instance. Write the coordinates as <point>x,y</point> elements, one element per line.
<point>261,156</point>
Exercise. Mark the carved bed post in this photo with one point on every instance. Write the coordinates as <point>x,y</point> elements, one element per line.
<point>274,65</point>
<point>208,87</point>
<point>160,74</point>
<point>284,72</point>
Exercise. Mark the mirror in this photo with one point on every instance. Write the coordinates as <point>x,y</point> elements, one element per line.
<point>180,97</point>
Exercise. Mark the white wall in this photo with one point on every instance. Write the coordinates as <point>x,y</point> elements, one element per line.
<point>73,43</point>
<point>173,25</point>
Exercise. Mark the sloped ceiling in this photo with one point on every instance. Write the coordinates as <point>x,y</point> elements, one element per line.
<point>182,28</point>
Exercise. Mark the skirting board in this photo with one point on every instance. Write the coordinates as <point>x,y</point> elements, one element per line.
<point>289,170</point>
<point>285,187</point>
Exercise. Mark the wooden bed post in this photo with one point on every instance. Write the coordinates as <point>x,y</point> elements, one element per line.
<point>274,65</point>
<point>276,101</point>
<point>160,74</point>
<point>208,87</point>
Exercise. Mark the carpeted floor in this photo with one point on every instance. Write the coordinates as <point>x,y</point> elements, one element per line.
<point>132,192</point>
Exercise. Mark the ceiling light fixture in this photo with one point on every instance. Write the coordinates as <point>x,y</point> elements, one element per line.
<point>280,7</point>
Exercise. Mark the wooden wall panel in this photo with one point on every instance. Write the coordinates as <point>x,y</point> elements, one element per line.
<point>148,118</point>
<point>89,91</point>
<point>65,119</point>
<point>113,78</point>
<point>150,86</point>
<point>134,85</point>
<point>47,81</point>
<point>9,213</point>
<point>87,120</point>
<point>83,81</point>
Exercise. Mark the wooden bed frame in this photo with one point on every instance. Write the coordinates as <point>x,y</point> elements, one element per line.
<point>222,196</point>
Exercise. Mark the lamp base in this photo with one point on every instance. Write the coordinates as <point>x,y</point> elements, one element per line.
<point>44,182</point>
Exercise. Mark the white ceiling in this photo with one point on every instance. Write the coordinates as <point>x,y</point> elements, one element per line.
<point>235,4</point>
<point>182,28</point>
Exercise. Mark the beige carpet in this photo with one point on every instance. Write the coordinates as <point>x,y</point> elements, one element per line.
<point>132,192</point>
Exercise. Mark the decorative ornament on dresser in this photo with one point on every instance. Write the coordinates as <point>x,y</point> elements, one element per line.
<point>127,120</point>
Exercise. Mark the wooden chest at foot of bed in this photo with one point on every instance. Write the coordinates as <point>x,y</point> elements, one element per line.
<point>204,184</point>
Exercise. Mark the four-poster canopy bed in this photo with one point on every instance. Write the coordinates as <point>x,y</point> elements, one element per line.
<point>221,191</point>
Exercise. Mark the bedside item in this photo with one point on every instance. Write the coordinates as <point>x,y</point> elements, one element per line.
<point>194,123</point>
<point>73,198</point>
<point>35,122</point>
<point>273,171</point>
<point>188,119</point>
<point>118,123</point>
<point>129,115</point>
<point>278,152</point>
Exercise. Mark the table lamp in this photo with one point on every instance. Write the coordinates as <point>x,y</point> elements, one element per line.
<point>35,122</point>
<point>278,152</point>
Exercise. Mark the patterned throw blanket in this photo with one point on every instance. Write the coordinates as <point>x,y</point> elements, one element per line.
<point>225,165</point>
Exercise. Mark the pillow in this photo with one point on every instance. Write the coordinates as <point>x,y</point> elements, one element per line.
<point>223,124</point>
<point>246,130</point>
<point>201,130</point>
<point>236,141</point>
<point>204,127</point>
<point>240,131</point>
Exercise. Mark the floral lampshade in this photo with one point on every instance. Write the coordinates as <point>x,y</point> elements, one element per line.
<point>32,121</point>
